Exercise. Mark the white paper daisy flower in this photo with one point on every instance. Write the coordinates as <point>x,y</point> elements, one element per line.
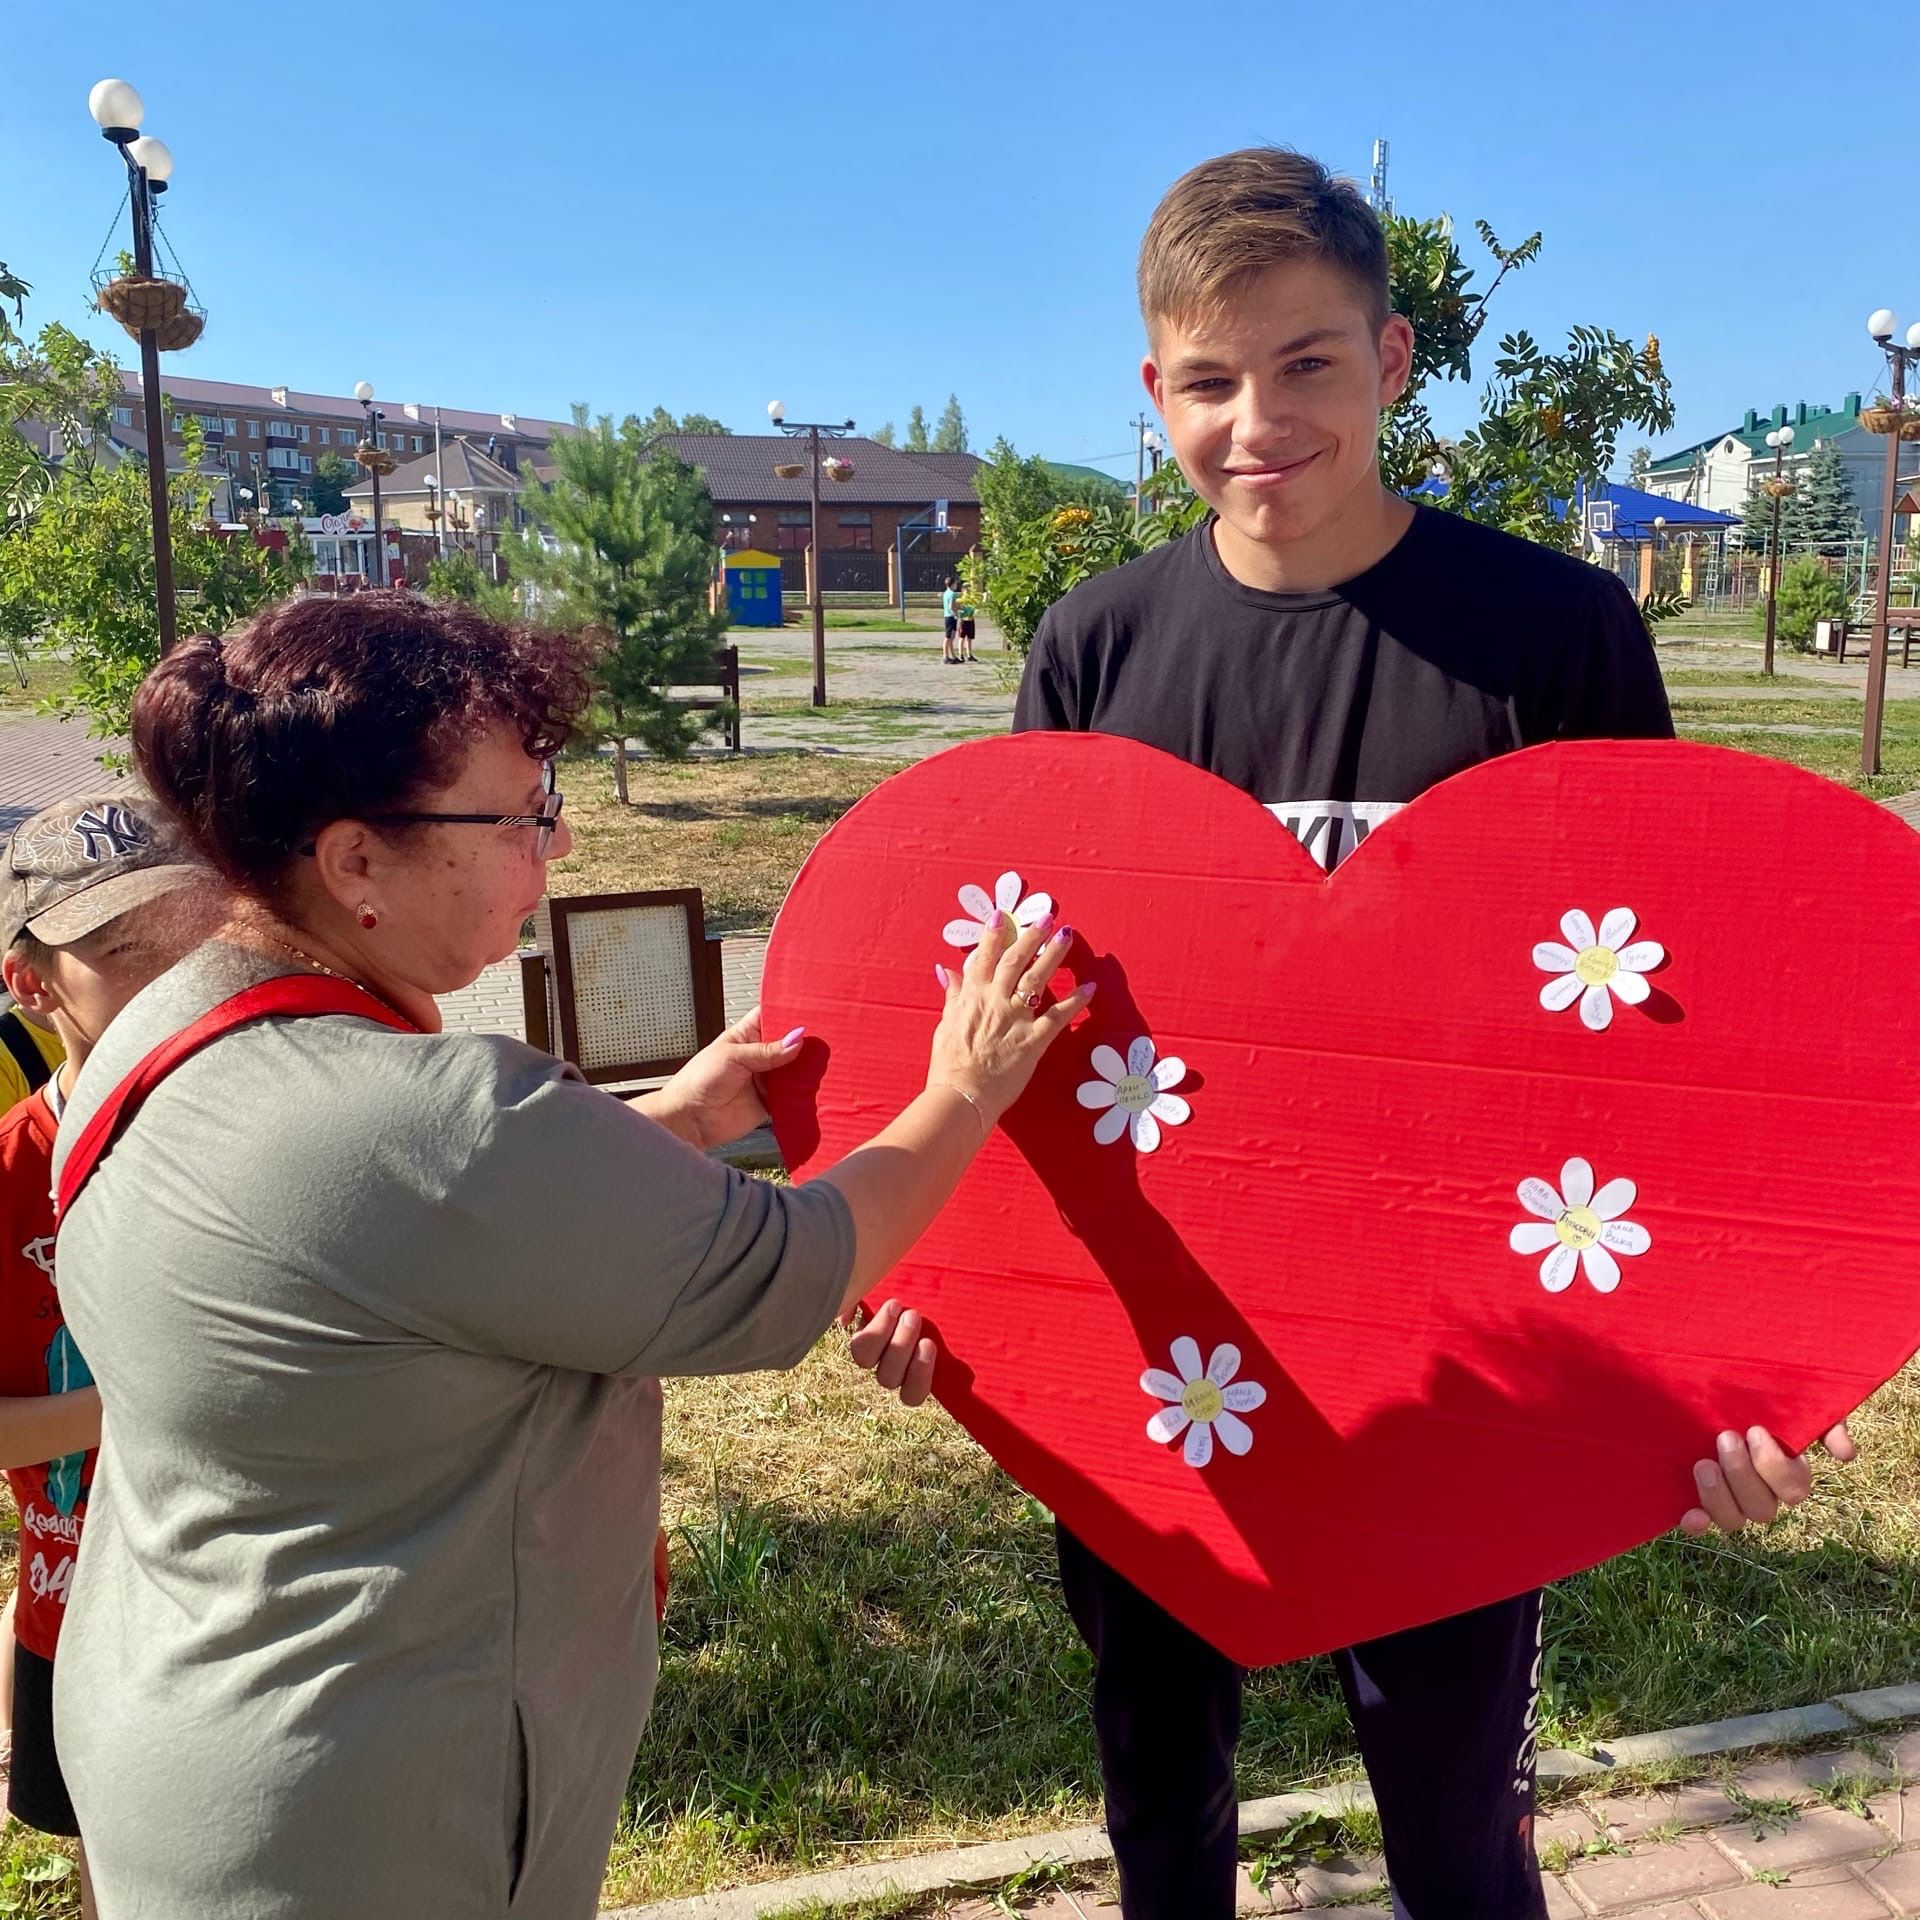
<point>1595,968</point>
<point>1133,1095</point>
<point>1577,1227</point>
<point>1024,909</point>
<point>1202,1403</point>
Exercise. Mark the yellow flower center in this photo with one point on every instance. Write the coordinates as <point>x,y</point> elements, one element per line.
<point>1597,966</point>
<point>1578,1227</point>
<point>1136,1092</point>
<point>1202,1400</point>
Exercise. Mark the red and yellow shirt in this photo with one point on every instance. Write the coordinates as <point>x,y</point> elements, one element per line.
<point>38,1356</point>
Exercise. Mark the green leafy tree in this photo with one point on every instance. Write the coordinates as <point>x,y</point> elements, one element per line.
<point>1808,592</point>
<point>1430,285</point>
<point>660,421</point>
<point>79,574</point>
<point>882,436</point>
<point>60,383</point>
<point>333,474</point>
<point>1639,466</point>
<point>457,575</point>
<point>916,440</point>
<point>950,436</point>
<point>630,555</point>
<point>1038,559</point>
<point>1549,427</point>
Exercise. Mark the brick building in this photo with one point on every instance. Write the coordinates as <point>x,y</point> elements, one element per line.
<point>861,518</point>
<point>266,439</point>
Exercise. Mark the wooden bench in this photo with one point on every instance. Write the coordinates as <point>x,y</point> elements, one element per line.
<point>1902,621</point>
<point>725,674</point>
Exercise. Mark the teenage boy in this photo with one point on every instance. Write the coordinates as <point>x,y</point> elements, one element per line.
<point>949,622</point>
<point>29,1053</point>
<point>83,927</point>
<point>1334,651</point>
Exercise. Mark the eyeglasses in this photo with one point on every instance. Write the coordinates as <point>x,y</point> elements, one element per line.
<point>547,819</point>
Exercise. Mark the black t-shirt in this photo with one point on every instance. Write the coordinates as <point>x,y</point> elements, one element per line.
<point>1336,708</point>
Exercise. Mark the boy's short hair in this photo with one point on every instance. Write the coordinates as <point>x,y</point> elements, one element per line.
<point>31,952</point>
<point>1232,217</point>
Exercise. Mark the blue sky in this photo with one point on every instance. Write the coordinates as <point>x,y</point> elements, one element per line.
<point>855,207</point>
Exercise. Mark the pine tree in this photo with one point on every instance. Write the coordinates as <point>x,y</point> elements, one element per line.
<point>1824,514</point>
<point>333,474</point>
<point>917,431</point>
<point>882,436</point>
<point>633,559</point>
<point>950,436</point>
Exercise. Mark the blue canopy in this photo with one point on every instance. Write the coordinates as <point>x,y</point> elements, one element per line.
<point>1634,511</point>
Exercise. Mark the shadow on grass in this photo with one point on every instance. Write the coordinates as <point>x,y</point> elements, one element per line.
<point>907,1669</point>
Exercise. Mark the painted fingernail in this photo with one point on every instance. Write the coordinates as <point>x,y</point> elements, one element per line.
<point>1093,987</point>
<point>795,1037</point>
<point>1044,924</point>
<point>1066,934</point>
<point>940,974</point>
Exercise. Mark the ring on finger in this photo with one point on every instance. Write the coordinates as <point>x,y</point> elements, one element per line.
<point>1027,998</point>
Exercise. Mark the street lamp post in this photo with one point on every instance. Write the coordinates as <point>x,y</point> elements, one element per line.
<point>1780,439</point>
<point>370,444</point>
<point>813,429</point>
<point>431,482</point>
<point>1882,325</point>
<point>117,111</point>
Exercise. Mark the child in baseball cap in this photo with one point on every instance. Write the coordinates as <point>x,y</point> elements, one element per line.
<point>96,900</point>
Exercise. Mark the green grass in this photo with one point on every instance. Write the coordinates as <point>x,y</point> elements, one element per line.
<point>45,679</point>
<point>1787,678</point>
<point>866,1649</point>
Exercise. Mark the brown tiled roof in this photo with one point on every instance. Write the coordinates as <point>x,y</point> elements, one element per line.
<point>198,395</point>
<point>462,467</point>
<point>739,467</point>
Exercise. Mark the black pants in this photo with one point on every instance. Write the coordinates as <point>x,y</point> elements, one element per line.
<point>1444,1716</point>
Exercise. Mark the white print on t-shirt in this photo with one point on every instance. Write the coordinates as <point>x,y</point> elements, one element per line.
<point>40,1252</point>
<point>51,1526</point>
<point>43,1580</point>
<point>1528,1756</point>
<point>1331,829</point>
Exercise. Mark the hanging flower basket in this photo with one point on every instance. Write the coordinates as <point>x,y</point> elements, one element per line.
<point>373,459</point>
<point>1882,419</point>
<point>1910,427</point>
<point>137,301</point>
<point>1776,489</point>
<point>838,469</point>
<point>182,330</point>
<point>788,470</point>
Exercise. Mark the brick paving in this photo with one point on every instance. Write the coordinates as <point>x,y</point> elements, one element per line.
<point>42,761</point>
<point>1779,1840</point>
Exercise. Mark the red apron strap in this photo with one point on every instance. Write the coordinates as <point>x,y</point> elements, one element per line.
<point>293,993</point>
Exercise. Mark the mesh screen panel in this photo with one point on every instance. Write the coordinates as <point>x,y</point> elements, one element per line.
<point>632,985</point>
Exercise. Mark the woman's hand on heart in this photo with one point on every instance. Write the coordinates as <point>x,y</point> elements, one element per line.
<point>1752,1477</point>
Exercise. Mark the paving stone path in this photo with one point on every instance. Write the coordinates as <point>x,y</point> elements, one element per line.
<point>1832,1836</point>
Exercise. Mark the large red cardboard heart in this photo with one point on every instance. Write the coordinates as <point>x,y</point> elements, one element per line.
<point>1410,1407</point>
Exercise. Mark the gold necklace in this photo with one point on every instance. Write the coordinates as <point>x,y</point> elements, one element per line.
<point>332,973</point>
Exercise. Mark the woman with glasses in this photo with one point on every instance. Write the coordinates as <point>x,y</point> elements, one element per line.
<point>363,1621</point>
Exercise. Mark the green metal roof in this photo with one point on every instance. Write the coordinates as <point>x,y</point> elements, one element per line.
<point>1809,423</point>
